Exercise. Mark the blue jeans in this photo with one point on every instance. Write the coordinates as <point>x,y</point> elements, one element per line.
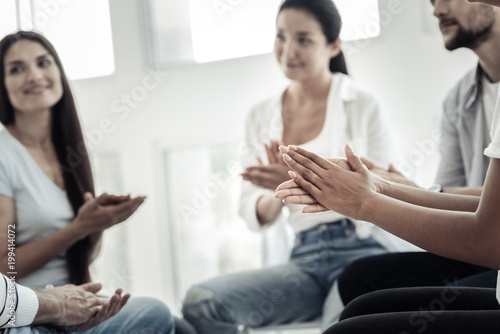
<point>301,290</point>
<point>139,316</point>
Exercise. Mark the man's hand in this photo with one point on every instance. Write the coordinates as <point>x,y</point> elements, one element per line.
<point>76,306</point>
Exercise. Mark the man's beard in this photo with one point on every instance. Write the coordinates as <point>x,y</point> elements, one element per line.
<point>482,21</point>
<point>468,38</point>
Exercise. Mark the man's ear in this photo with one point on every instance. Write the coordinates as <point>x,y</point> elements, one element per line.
<point>335,48</point>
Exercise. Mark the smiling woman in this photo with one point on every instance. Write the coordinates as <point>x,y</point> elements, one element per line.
<point>48,200</point>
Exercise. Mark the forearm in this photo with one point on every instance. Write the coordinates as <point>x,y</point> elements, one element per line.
<point>49,307</point>
<point>268,209</point>
<point>451,234</point>
<point>34,255</point>
<point>429,199</point>
<point>470,191</point>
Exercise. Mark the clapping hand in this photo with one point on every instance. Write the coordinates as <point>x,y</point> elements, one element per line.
<point>271,175</point>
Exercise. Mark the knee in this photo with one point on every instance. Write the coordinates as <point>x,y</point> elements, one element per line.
<point>203,304</point>
<point>354,279</point>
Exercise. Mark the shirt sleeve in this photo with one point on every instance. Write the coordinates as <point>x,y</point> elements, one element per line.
<point>18,304</point>
<point>250,194</point>
<point>451,171</point>
<point>493,150</point>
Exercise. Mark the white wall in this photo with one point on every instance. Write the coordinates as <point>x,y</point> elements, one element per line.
<point>407,67</point>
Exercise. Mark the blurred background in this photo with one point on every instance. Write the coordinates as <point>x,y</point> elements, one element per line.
<point>163,88</point>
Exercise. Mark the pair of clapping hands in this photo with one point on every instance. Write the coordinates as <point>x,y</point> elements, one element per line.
<point>100,213</point>
<point>76,308</point>
<point>338,184</point>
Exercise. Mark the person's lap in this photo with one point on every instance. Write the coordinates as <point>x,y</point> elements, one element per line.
<point>414,269</point>
<point>139,316</point>
<point>422,310</point>
<point>295,292</point>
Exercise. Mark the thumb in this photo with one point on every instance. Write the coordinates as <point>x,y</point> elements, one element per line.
<point>393,169</point>
<point>87,196</point>
<point>92,287</point>
<point>353,159</point>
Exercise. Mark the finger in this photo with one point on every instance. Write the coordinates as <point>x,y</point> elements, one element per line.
<point>125,300</point>
<point>276,149</point>
<point>287,185</point>
<point>368,163</point>
<point>49,286</point>
<point>290,192</point>
<point>300,199</point>
<point>113,199</point>
<point>314,208</point>
<point>92,287</point>
<point>304,184</point>
<point>304,167</point>
<point>353,160</point>
<point>304,155</point>
<point>270,155</point>
<point>259,160</point>
<point>87,196</point>
<point>393,169</point>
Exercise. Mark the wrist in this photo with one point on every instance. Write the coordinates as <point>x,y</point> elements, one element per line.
<point>76,231</point>
<point>366,206</point>
<point>49,307</point>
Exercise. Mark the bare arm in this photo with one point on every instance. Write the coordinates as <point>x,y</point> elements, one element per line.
<point>466,236</point>
<point>30,257</point>
<point>470,191</point>
<point>92,219</point>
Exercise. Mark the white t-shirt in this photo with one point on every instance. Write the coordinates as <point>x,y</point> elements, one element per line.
<point>42,208</point>
<point>353,115</point>
<point>493,151</point>
<point>490,95</point>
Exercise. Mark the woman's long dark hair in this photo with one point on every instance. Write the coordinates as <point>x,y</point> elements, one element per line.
<point>327,15</point>
<point>67,138</point>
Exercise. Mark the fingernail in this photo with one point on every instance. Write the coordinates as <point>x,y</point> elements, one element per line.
<point>292,174</point>
<point>284,150</point>
<point>348,147</point>
<point>287,157</point>
<point>292,147</point>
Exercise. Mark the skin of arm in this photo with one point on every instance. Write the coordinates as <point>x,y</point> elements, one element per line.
<point>466,236</point>
<point>92,218</point>
<point>392,174</point>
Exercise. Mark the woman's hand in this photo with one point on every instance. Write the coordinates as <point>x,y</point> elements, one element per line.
<point>271,175</point>
<point>332,186</point>
<point>105,211</point>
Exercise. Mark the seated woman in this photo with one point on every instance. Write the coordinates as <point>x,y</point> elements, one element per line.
<point>321,108</point>
<point>461,227</point>
<point>47,198</point>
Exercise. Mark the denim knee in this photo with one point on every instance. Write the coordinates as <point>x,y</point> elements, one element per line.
<point>202,305</point>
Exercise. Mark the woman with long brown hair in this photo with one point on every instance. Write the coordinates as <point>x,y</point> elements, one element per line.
<point>46,196</point>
